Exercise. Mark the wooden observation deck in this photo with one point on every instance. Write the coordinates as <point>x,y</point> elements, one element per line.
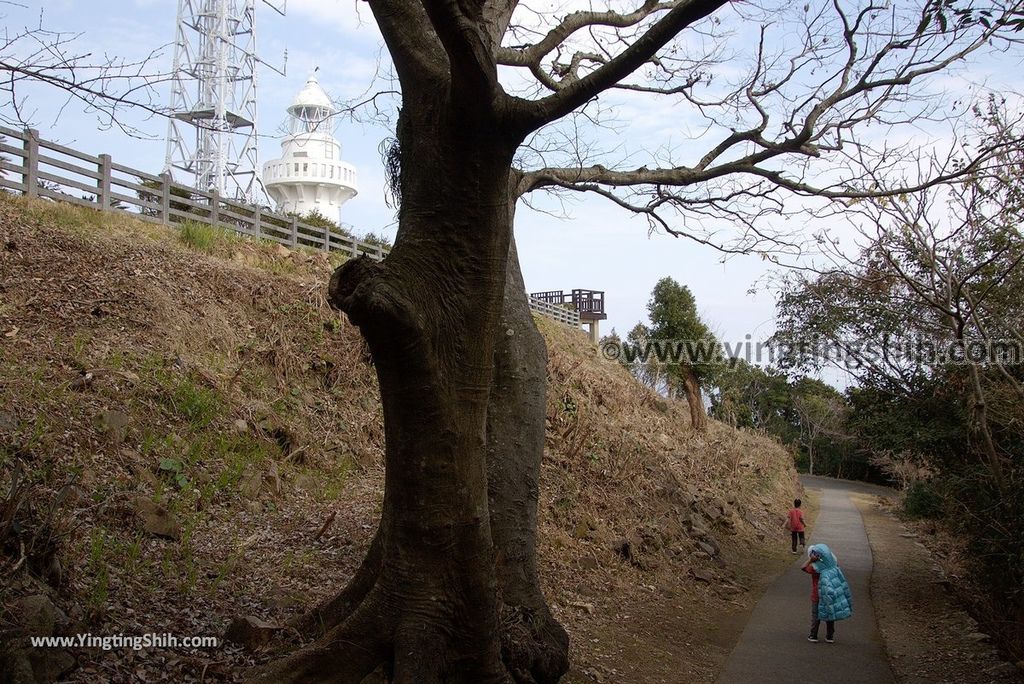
<point>588,305</point>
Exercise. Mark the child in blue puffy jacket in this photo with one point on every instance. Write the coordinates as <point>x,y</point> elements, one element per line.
<point>830,592</point>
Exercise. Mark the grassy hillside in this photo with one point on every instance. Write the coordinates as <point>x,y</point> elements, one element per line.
<point>188,433</point>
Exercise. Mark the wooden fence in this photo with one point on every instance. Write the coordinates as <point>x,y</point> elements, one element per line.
<point>588,304</point>
<point>570,317</point>
<point>56,172</point>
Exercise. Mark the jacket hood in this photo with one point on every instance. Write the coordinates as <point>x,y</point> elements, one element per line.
<point>827,559</point>
<point>835,601</point>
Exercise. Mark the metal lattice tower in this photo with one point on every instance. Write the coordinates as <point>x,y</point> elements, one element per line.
<point>212,131</point>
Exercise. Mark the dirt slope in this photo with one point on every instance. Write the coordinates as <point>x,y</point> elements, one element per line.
<point>191,435</point>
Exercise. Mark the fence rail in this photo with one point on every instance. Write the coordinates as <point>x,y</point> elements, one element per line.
<point>570,317</point>
<point>52,171</point>
<point>588,303</point>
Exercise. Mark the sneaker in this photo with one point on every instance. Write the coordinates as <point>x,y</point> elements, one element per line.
<point>830,640</point>
<point>813,639</point>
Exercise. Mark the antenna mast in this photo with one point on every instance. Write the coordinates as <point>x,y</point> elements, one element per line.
<point>212,130</point>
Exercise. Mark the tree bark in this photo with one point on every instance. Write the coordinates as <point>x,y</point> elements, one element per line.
<point>698,416</point>
<point>428,608</point>
<point>534,646</point>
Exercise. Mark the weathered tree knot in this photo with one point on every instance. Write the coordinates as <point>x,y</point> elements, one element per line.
<point>364,290</point>
<point>347,278</point>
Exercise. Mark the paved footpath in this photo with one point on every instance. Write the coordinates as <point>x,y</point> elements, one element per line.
<point>773,646</point>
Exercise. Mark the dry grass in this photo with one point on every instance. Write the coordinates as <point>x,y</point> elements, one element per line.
<point>219,384</point>
<point>622,465</point>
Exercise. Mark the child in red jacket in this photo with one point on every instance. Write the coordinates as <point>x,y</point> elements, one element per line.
<point>795,525</point>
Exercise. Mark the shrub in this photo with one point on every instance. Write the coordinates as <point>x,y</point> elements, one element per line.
<point>154,197</point>
<point>990,515</point>
<point>377,240</point>
<point>921,500</point>
<point>314,218</point>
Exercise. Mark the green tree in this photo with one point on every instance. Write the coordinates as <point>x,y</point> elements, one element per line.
<point>645,367</point>
<point>747,396</point>
<point>821,412</point>
<point>931,293</point>
<point>380,240</point>
<point>690,348</point>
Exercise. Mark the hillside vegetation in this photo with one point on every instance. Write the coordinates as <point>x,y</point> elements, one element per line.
<point>189,434</point>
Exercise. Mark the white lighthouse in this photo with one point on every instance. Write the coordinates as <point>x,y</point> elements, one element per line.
<point>310,174</point>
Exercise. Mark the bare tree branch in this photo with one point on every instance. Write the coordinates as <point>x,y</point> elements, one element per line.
<point>802,138</point>
<point>105,85</point>
<point>682,14</point>
<point>419,57</point>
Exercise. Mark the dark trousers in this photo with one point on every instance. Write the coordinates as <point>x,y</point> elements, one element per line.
<point>797,535</point>
<point>830,625</point>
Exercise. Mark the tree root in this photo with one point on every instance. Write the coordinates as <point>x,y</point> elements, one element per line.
<point>534,647</point>
<point>345,655</point>
<point>335,610</point>
<point>357,635</point>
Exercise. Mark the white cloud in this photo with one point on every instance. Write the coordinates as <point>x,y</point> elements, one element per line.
<point>345,15</point>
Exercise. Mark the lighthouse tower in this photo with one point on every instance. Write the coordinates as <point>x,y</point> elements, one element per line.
<point>310,174</point>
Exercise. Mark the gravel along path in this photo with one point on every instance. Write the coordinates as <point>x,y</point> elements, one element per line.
<point>929,638</point>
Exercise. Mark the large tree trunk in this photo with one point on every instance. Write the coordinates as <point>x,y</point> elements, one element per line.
<point>427,608</point>
<point>698,416</point>
<point>534,646</point>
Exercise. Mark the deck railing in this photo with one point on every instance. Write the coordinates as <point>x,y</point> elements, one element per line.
<point>555,311</point>
<point>586,303</point>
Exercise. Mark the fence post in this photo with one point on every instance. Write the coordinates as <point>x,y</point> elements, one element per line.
<point>295,230</point>
<point>31,175</point>
<point>165,198</point>
<point>380,253</point>
<point>355,246</point>
<point>103,183</point>
<point>257,221</point>
<point>215,207</point>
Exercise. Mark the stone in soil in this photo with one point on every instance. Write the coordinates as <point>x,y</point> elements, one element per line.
<point>156,519</point>
<point>250,632</point>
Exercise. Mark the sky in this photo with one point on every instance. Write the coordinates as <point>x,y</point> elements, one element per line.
<point>589,244</point>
